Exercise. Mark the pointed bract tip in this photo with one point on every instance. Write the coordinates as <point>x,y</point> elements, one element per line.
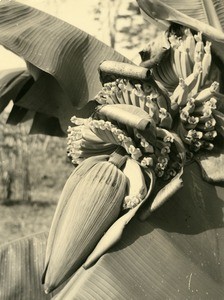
<point>47,290</point>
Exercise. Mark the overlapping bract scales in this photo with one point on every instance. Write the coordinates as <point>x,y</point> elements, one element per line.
<point>93,203</point>
<point>67,191</point>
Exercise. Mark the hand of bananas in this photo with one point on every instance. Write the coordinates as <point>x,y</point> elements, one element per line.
<point>134,143</point>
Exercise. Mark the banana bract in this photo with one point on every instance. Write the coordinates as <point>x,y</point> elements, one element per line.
<point>92,201</point>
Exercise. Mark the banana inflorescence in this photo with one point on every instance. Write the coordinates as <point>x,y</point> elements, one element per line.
<point>119,150</point>
<point>149,147</point>
<point>127,147</point>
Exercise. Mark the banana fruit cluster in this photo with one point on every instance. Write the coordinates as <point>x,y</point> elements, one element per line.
<point>191,78</point>
<point>188,65</point>
<point>142,95</point>
<point>132,128</point>
<point>197,126</point>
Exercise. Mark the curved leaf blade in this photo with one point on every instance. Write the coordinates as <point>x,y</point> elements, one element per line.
<point>11,82</point>
<point>70,55</point>
<point>183,13</point>
<point>46,96</point>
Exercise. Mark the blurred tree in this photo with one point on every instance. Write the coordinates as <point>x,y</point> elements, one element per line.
<point>28,162</point>
<point>121,26</point>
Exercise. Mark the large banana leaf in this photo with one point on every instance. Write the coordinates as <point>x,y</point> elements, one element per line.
<point>62,59</point>
<point>207,11</point>
<point>206,16</point>
<point>178,253</point>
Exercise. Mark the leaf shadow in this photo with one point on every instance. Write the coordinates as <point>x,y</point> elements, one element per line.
<point>196,208</point>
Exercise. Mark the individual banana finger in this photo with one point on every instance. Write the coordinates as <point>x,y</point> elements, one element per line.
<point>185,61</point>
<point>206,62</point>
<point>199,46</point>
<point>209,136</point>
<point>191,80</point>
<point>207,93</point>
<point>190,44</point>
<point>180,94</point>
<point>177,60</point>
<point>165,119</point>
<point>137,189</point>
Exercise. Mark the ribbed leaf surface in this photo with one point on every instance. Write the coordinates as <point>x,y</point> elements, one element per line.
<point>177,254</point>
<point>21,265</point>
<point>204,15</point>
<point>207,11</point>
<point>68,56</point>
<point>219,8</point>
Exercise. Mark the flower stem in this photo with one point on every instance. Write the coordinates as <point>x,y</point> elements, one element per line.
<point>118,157</point>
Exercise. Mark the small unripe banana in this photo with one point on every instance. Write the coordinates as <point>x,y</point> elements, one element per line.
<point>207,93</point>
<point>206,62</point>
<point>136,184</point>
<point>190,44</point>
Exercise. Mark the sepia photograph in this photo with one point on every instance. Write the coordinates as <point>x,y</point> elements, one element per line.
<point>112,150</point>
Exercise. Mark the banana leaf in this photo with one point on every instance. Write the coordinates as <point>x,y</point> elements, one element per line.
<point>206,16</point>
<point>178,253</point>
<point>11,82</point>
<point>62,59</point>
<point>21,266</point>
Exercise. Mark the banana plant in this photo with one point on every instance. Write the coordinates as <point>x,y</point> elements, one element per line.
<point>177,252</point>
